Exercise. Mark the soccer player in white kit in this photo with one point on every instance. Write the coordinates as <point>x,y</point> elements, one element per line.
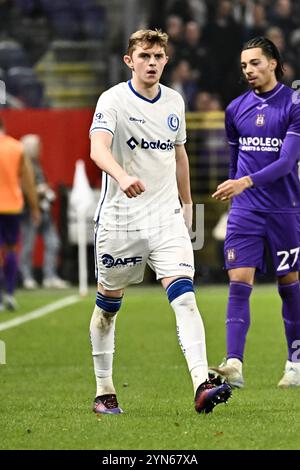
<point>137,140</point>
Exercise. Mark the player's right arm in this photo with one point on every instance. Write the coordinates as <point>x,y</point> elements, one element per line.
<point>101,154</point>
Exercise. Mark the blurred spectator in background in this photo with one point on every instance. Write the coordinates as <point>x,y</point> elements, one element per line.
<point>15,171</point>
<point>5,7</point>
<point>289,74</point>
<point>175,31</point>
<point>46,228</point>
<point>282,17</point>
<point>194,51</point>
<point>182,9</point>
<point>183,82</point>
<point>222,36</point>
<point>202,101</point>
<point>276,35</point>
<point>205,101</point>
<point>258,24</point>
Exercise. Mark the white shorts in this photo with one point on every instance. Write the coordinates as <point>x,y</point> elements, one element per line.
<point>121,257</point>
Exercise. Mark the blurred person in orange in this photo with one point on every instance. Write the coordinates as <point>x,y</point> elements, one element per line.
<point>15,174</point>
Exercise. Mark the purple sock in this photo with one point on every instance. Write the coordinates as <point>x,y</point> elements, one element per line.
<point>11,271</point>
<point>290,294</point>
<point>238,318</point>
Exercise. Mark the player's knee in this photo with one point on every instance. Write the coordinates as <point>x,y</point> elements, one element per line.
<point>288,278</point>
<point>242,275</point>
<point>181,290</point>
<point>290,292</point>
<point>104,314</point>
<point>108,305</point>
<point>240,290</point>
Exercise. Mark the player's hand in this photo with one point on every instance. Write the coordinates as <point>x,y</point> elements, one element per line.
<point>131,186</point>
<point>36,216</point>
<point>230,188</point>
<point>187,210</point>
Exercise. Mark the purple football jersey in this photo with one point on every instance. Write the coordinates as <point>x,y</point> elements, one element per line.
<point>263,129</point>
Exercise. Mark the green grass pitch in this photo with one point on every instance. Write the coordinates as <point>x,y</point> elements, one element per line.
<point>47,385</point>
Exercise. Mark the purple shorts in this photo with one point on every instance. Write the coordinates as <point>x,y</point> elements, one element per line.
<point>249,231</point>
<point>9,229</point>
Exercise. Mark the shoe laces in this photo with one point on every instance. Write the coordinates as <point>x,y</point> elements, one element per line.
<point>216,380</point>
<point>207,385</point>
<point>109,401</point>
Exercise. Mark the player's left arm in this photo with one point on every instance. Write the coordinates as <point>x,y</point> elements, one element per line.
<point>183,183</point>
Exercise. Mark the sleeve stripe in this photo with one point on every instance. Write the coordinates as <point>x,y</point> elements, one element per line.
<point>232,143</point>
<point>101,129</point>
<point>293,133</point>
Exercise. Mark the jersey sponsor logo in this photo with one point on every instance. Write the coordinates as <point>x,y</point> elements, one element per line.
<point>262,106</point>
<point>110,262</point>
<point>260,120</point>
<point>173,122</point>
<point>132,143</point>
<point>98,119</point>
<point>186,265</point>
<point>150,144</point>
<point>260,144</point>
<point>140,121</point>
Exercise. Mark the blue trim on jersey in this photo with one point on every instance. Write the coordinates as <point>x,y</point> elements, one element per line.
<point>108,304</point>
<point>178,287</point>
<point>102,128</point>
<point>143,97</point>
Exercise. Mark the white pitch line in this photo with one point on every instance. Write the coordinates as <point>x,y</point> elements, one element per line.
<point>40,312</point>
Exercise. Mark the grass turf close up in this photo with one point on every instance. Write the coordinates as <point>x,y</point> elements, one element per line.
<point>47,385</point>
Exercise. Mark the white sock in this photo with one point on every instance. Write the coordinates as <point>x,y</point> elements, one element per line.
<point>102,332</point>
<point>295,365</point>
<point>191,336</point>
<point>236,363</point>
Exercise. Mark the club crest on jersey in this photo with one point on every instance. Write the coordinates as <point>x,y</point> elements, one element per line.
<point>173,122</point>
<point>260,120</point>
<point>231,255</point>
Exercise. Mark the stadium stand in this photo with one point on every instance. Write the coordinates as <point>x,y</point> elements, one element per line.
<point>74,47</point>
<point>23,83</point>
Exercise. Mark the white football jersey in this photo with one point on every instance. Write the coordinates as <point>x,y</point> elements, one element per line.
<point>145,133</point>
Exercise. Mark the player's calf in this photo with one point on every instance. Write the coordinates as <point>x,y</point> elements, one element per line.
<point>102,334</point>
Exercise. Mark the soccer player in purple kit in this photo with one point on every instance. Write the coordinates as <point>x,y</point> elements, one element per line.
<point>263,129</point>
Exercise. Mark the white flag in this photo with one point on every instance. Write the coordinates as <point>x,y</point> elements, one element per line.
<point>81,197</point>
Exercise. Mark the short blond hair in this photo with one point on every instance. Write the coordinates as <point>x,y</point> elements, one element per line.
<point>147,36</point>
